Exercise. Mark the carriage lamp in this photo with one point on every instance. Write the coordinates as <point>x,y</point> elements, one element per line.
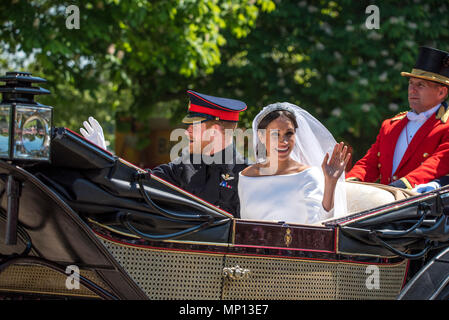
<point>25,128</point>
<point>25,125</point>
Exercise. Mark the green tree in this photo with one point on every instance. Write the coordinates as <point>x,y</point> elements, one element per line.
<point>321,56</point>
<point>139,57</point>
<point>127,55</point>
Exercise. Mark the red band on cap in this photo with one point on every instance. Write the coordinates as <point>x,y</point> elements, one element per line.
<point>223,115</point>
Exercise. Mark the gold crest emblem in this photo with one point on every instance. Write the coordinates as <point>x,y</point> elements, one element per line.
<point>288,237</point>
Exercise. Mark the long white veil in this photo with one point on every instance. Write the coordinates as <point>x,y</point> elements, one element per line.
<point>313,141</point>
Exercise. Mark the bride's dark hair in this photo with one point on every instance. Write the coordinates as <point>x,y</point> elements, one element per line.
<point>266,121</point>
<point>277,114</point>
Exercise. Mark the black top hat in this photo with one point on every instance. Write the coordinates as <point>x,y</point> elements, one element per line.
<point>432,65</point>
<point>204,107</point>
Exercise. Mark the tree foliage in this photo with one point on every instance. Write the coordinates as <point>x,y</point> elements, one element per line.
<point>139,57</point>
<point>321,56</point>
<point>127,55</point>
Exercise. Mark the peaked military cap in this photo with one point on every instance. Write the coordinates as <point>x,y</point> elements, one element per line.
<point>203,107</point>
<point>432,64</point>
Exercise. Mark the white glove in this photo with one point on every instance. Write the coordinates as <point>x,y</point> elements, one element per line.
<point>426,187</point>
<point>93,132</point>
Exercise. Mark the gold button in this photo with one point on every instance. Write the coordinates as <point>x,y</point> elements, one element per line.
<point>425,155</point>
<point>379,165</point>
<point>395,178</point>
<point>378,154</point>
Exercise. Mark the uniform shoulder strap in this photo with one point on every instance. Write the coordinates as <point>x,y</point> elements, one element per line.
<point>443,112</point>
<point>399,116</point>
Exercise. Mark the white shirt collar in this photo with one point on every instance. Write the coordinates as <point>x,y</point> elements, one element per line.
<point>429,112</point>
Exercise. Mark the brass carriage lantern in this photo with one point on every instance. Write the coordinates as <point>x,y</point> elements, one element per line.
<point>25,132</point>
<point>25,125</point>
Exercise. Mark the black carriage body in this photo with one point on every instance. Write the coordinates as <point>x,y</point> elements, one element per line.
<point>134,236</point>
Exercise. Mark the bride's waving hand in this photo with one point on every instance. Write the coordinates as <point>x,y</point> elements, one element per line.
<point>332,170</point>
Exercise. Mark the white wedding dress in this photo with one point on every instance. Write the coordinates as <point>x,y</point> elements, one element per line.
<point>292,198</point>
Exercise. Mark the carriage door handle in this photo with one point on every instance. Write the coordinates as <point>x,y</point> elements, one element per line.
<point>236,273</point>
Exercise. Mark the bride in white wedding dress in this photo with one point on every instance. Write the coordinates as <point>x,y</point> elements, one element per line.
<point>294,179</point>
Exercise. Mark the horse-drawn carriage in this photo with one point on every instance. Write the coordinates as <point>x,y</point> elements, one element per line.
<point>91,225</point>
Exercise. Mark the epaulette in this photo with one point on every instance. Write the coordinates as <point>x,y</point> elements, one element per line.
<point>399,116</point>
<point>443,113</point>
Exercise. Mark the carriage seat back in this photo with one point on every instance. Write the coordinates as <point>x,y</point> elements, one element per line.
<point>362,196</point>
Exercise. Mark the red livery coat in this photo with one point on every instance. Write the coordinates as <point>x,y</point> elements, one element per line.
<point>426,158</point>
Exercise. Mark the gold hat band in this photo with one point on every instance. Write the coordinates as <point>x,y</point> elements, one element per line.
<point>426,75</point>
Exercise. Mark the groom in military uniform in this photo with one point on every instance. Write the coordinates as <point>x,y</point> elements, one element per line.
<point>210,167</point>
<point>412,148</point>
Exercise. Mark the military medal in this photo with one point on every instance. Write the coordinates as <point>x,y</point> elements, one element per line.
<point>226,177</point>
